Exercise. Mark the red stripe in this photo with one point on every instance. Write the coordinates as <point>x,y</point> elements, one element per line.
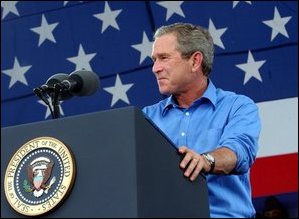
<point>275,175</point>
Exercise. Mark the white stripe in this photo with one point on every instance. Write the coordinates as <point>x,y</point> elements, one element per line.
<point>279,134</point>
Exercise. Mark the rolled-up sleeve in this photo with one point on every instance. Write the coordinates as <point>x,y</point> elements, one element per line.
<point>242,132</point>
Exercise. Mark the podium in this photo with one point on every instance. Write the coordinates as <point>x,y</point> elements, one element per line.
<point>125,167</point>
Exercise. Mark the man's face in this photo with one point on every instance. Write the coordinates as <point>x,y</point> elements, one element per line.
<point>173,73</point>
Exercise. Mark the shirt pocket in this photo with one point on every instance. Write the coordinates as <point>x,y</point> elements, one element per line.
<point>208,140</point>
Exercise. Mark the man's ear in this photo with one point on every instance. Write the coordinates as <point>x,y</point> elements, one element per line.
<point>197,58</point>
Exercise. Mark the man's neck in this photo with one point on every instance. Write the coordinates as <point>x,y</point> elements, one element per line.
<point>186,99</point>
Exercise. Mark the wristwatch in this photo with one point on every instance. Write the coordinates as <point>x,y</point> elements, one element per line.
<point>211,161</point>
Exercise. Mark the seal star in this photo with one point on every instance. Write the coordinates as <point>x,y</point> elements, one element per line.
<point>119,91</point>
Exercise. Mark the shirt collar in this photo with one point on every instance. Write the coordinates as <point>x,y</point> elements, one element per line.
<point>209,94</point>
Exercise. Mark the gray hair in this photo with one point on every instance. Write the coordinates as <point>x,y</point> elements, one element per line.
<point>191,38</point>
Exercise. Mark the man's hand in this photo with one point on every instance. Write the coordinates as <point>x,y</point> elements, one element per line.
<point>193,163</point>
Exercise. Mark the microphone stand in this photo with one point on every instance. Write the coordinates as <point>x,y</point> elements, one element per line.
<point>41,94</point>
<point>55,102</point>
<point>54,93</point>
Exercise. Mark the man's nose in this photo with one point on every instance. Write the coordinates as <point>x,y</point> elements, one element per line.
<point>156,67</point>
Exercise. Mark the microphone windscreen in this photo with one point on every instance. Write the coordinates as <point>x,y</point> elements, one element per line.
<point>88,82</point>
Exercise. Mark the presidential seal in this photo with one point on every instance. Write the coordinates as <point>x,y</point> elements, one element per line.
<point>39,176</point>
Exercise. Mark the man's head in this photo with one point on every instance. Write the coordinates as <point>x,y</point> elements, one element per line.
<point>191,38</point>
<point>183,56</point>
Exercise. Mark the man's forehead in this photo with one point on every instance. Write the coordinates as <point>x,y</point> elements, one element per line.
<point>164,45</point>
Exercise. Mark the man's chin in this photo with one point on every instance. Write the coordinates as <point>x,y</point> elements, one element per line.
<point>164,91</point>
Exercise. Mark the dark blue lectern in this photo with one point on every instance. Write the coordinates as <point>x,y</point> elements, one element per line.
<point>125,167</point>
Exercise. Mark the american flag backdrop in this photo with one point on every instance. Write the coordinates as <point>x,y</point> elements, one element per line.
<point>256,53</point>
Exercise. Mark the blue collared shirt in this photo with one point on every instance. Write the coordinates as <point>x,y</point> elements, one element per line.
<point>218,118</point>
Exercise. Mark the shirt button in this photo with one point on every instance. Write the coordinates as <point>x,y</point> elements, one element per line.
<point>187,113</point>
<point>183,134</point>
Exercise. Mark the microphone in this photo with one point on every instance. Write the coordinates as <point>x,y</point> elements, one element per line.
<point>54,79</point>
<point>48,87</point>
<point>62,86</point>
<point>48,90</point>
<point>79,83</point>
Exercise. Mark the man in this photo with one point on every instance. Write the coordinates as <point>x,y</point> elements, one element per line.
<point>216,131</point>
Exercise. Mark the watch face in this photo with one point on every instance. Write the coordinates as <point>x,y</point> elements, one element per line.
<point>211,158</point>
<point>211,161</point>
